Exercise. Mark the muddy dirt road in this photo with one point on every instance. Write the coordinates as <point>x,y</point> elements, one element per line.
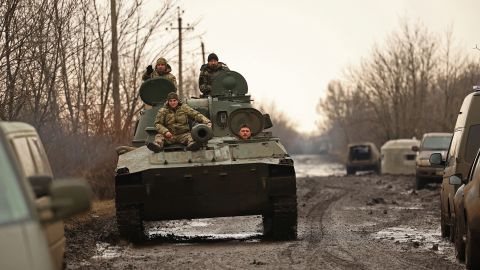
<point>355,222</point>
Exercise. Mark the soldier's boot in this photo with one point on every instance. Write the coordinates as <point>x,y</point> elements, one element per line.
<point>193,146</point>
<point>155,147</point>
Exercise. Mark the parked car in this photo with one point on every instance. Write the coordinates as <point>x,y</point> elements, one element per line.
<point>460,156</point>
<point>467,216</point>
<point>424,172</point>
<point>32,203</point>
<point>398,156</point>
<point>363,157</point>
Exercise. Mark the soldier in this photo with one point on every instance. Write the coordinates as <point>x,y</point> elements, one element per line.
<point>162,69</point>
<point>171,123</point>
<point>208,72</point>
<point>245,133</point>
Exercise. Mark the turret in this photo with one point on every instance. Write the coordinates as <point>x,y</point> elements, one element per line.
<point>228,107</point>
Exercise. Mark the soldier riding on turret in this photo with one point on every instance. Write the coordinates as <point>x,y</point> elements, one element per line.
<point>162,70</point>
<point>208,72</point>
<point>172,126</point>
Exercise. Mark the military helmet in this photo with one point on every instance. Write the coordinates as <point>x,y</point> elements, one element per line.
<point>161,60</point>
<point>172,95</point>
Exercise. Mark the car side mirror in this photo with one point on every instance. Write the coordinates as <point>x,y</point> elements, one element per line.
<point>436,159</point>
<point>67,198</point>
<point>415,148</point>
<point>455,179</point>
<point>40,184</point>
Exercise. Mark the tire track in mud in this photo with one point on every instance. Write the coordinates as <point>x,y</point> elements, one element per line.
<point>316,248</point>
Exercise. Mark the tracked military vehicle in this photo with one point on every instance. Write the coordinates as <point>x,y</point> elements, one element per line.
<point>225,177</point>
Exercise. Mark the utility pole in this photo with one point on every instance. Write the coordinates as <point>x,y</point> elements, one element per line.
<point>180,30</point>
<point>203,53</point>
<point>115,70</point>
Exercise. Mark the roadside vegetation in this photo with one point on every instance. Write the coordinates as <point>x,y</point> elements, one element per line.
<point>412,83</point>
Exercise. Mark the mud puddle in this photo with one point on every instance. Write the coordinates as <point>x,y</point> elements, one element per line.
<point>418,238</point>
<point>317,165</point>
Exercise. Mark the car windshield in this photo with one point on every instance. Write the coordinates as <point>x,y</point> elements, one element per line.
<point>360,152</point>
<point>436,143</point>
<point>12,200</point>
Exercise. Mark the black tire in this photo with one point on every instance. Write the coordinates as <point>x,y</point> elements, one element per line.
<point>267,226</point>
<point>350,171</point>
<point>281,224</point>
<point>453,231</point>
<point>459,243</point>
<point>130,223</point>
<point>419,183</point>
<point>378,169</point>
<point>472,249</point>
<point>444,229</point>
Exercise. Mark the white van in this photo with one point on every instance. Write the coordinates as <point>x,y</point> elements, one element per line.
<point>398,156</point>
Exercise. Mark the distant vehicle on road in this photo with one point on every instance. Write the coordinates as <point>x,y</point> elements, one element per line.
<point>398,156</point>
<point>32,203</point>
<point>363,157</point>
<point>460,156</point>
<point>424,171</point>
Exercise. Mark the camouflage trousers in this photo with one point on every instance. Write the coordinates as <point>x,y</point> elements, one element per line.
<point>184,139</point>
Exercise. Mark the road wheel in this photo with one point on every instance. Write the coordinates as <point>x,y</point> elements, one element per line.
<point>130,223</point>
<point>419,182</point>
<point>459,243</point>
<point>378,168</point>
<point>282,224</point>
<point>350,170</point>
<point>267,226</point>
<point>472,250</point>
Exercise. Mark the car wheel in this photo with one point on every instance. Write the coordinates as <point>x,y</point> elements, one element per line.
<point>443,227</point>
<point>472,249</point>
<point>453,231</point>
<point>350,170</point>
<point>459,243</point>
<point>419,183</point>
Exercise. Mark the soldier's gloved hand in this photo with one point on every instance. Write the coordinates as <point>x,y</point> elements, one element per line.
<point>149,69</point>
<point>168,135</point>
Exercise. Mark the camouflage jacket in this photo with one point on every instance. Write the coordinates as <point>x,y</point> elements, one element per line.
<point>155,74</point>
<point>207,75</point>
<point>176,120</point>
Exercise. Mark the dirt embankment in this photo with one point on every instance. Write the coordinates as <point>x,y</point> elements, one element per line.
<point>356,222</point>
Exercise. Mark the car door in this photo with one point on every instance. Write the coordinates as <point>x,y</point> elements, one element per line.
<point>34,162</point>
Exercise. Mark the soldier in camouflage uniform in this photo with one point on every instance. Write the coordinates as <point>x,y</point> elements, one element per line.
<point>171,123</point>
<point>162,69</point>
<point>208,72</point>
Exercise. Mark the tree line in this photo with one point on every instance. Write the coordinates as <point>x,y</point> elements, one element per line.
<point>56,73</point>
<point>72,70</point>
<point>412,84</point>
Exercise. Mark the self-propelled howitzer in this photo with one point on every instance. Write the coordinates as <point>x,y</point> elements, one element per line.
<point>226,177</point>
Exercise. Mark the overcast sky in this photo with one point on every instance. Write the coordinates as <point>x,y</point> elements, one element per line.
<point>288,51</point>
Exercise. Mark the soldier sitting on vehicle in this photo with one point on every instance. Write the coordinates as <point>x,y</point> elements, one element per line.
<point>172,126</point>
<point>162,70</point>
<point>208,72</point>
<point>244,133</point>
